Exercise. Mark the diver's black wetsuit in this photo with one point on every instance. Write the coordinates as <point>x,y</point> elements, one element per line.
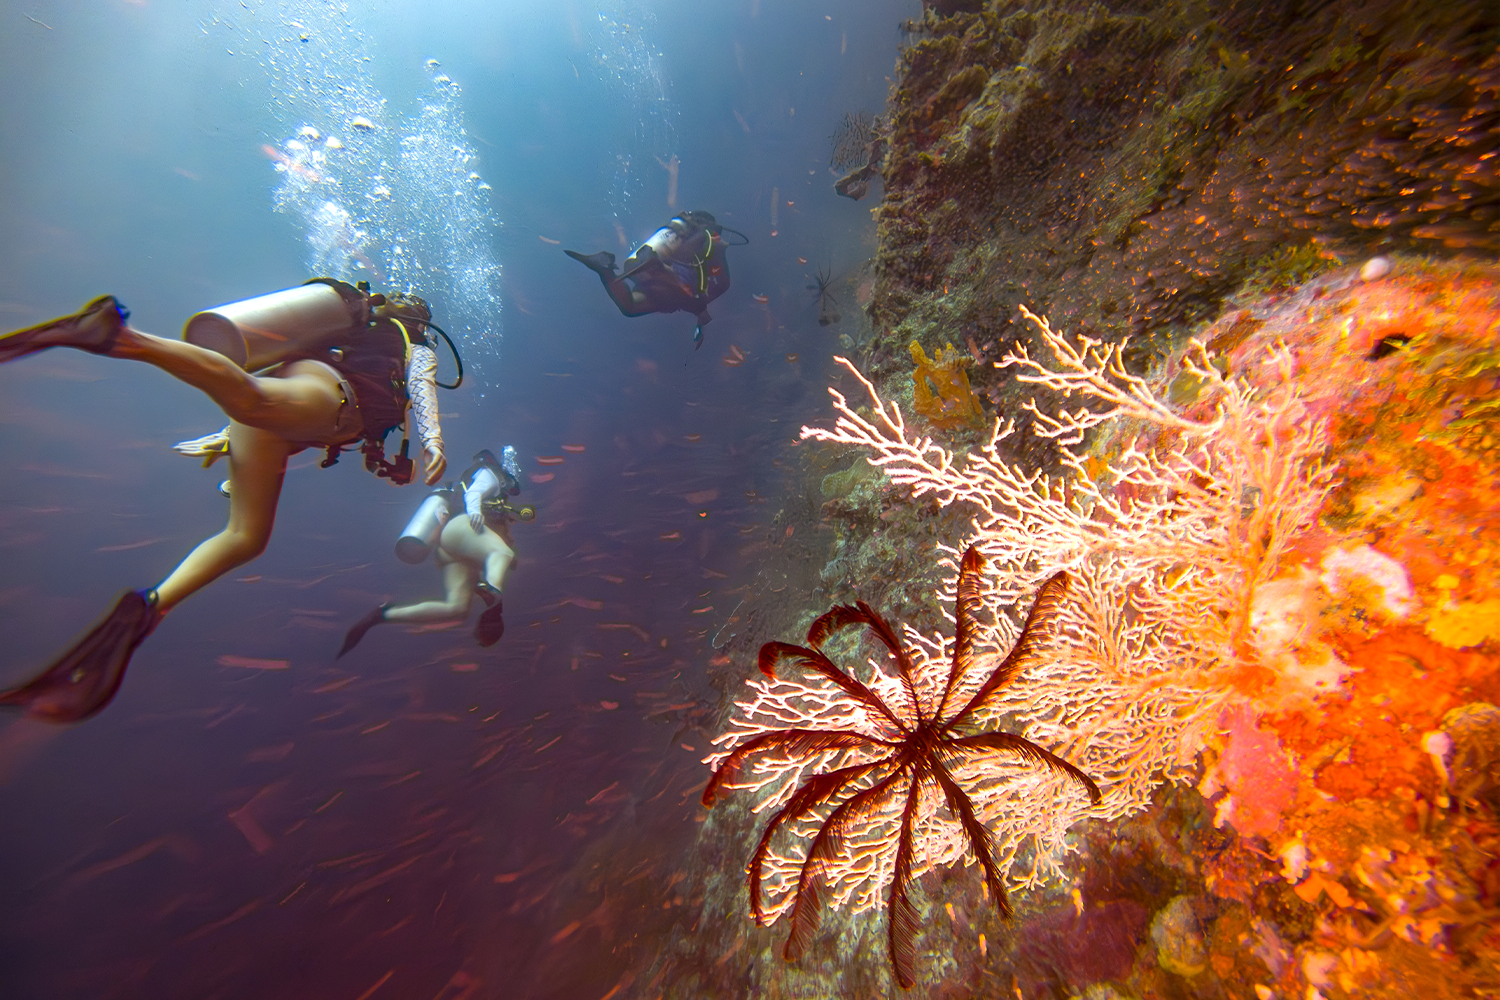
<point>681,268</point>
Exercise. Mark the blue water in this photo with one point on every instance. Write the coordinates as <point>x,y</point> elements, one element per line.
<point>390,823</point>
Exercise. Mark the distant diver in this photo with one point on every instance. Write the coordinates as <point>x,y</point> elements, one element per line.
<point>326,364</point>
<point>681,268</point>
<point>473,553</point>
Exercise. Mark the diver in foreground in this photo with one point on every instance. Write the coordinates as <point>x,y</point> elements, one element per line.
<point>336,365</point>
<point>473,552</point>
<point>681,268</point>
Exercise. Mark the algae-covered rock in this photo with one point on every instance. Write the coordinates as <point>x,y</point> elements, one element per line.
<point>1179,941</point>
<point>843,485</point>
<point>1125,167</point>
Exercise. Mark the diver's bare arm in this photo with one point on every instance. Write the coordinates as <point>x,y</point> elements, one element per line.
<point>421,386</point>
<point>484,486</point>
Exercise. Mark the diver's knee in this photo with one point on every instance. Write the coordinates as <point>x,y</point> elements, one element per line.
<point>244,546</point>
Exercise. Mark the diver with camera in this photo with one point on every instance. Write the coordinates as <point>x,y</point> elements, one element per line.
<point>326,364</point>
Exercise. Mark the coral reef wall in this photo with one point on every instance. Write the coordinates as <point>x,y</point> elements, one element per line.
<point>1155,171</point>
<point>1122,166</point>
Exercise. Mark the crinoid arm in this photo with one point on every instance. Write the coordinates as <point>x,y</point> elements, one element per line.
<point>843,615</point>
<point>821,855</point>
<point>1041,622</point>
<point>816,791</point>
<point>966,611</point>
<point>773,653</point>
<point>901,918</point>
<point>980,840</point>
<point>1027,750</point>
<point>804,743</point>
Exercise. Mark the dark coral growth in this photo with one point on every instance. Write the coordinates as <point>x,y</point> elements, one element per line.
<point>1125,166</point>
<point>851,141</point>
<point>909,752</point>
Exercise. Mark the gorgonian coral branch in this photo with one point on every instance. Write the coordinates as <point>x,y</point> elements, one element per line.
<point>1166,544</point>
<point>1097,372</point>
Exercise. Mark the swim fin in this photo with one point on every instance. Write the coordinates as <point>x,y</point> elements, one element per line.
<point>602,262</point>
<point>85,678</point>
<point>95,329</point>
<point>489,595</point>
<point>355,634</point>
<point>491,624</point>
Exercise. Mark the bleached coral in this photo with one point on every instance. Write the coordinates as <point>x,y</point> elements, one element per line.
<point>1168,545</point>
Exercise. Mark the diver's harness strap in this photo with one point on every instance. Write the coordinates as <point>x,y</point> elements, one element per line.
<point>501,509</point>
<point>402,469</point>
<point>701,263</point>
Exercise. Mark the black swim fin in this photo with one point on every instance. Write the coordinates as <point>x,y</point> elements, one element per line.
<point>85,678</point>
<point>491,625</point>
<point>94,328</point>
<point>355,634</point>
<point>489,595</point>
<point>602,262</point>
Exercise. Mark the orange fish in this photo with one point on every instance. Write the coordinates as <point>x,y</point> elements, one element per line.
<point>762,299</point>
<point>802,260</point>
<point>549,460</point>
<point>572,447</point>
<point>287,163</point>
<point>253,663</point>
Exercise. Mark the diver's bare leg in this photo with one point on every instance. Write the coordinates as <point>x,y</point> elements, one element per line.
<point>301,402</point>
<point>492,556</point>
<point>486,550</point>
<point>257,466</point>
<point>459,577</point>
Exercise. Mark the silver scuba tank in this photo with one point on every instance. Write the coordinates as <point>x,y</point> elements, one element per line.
<point>422,531</point>
<point>268,329</point>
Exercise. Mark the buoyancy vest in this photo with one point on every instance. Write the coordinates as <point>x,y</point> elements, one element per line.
<point>371,360</point>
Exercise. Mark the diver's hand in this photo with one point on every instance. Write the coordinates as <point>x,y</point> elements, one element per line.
<point>437,463</point>
<point>476,521</point>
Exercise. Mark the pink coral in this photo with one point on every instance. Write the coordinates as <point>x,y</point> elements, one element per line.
<point>1255,772</point>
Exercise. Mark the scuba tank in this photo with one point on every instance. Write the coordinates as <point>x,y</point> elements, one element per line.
<point>422,531</point>
<point>268,329</point>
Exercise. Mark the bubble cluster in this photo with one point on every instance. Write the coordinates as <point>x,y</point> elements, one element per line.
<point>396,200</point>
<point>628,70</point>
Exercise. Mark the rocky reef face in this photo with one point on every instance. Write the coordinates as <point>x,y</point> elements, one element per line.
<point>1163,171</point>
<point>1122,167</point>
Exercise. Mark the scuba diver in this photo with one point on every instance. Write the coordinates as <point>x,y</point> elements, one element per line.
<point>681,268</point>
<point>326,364</point>
<point>473,552</point>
